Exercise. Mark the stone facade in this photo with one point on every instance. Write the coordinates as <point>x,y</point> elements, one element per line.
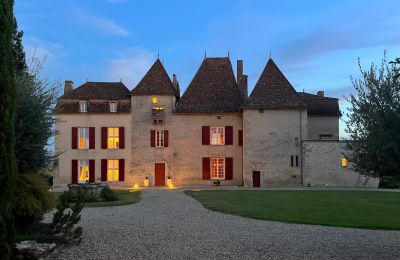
<point>320,126</point>
<point>322,166</point>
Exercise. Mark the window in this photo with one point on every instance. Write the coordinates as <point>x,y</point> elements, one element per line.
<point>292,160</point>
<point>112,170</point>
<point>217,168</point>
<point>83,106</point>
<point>83,171</point>
<point>160,138</point>
<point>217,135</point>
<point>113,138</point>
<point>344,162</point>
<point>83,138</point>
<point>154,100</point>
<point>113,106</point>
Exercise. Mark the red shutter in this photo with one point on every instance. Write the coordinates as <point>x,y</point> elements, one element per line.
<point>103,170</point>
<point>121,138</point>
<point>206,168</point>
<point>104,138</point>
<point>205,135</point>
<point>240,137</point>
<point>228,168</point>
<point>92,138</point>
<point>152,138</point>
<point>74,171</point>
<point>121,169</point>
<point>74,138</point>
<point>165,138</point>
<point>228,135</point>
<point>91,171</point>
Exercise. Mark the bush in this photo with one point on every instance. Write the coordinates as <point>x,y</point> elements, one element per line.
<point>108,194</point>
<point>32,198</point>
<point>389,182</point>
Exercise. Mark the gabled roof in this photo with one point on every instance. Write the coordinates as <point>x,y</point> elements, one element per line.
<point>212,90</point>
<point>155,82</point>
<point>320,106</point>
<point>98,91</point>
<point>273,90</point>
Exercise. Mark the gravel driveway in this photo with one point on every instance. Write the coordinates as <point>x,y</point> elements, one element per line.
<point>167,224</point>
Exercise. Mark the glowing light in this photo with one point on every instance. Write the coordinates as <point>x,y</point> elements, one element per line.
<point>171,185</point>
<point>154,100</point>
<point>344,162</point>
<point>136,186</point>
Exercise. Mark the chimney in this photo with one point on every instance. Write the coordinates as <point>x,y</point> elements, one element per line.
<point>68,86</point>
<point>239,73</point>
<point>175,84</point>
<point>320,93</point>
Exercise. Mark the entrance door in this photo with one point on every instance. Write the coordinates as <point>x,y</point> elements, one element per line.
<point>159,179</point>
<point>256,179</point>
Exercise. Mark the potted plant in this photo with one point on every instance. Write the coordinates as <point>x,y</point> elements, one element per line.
<point>146,181</point>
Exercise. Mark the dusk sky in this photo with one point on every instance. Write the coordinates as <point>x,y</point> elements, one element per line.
<point>315,43</point>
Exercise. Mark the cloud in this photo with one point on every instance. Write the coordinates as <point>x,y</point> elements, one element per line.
<point>107,26</point>
<point>37,49</point>
<point>130,65</point>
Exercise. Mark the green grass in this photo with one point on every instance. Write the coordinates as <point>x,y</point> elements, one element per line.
<point>124,198</point>
<point>358,209</point>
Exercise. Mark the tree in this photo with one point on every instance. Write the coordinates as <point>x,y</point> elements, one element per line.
<point>396,62</point>
<point>8,172</point>
<point>374,122</point>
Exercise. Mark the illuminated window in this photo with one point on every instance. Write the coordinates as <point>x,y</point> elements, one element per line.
<point>83,171</point>
<point>113,138</point>
<point>217,168</point>
<point>113,170</point>
<point>113,106</point>
<point>217,135</point>
<point>83,106</point>
<point>344,162</point>
<point>83,137</point>
<point>154,100</point>
<point>160,138</point>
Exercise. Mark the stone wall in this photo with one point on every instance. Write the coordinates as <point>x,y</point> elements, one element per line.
<point>270,138</point>
<point>323,125</point>
<point>322,166</point>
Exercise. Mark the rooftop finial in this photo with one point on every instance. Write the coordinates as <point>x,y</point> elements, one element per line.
<point>270,54</point>
<point>205,54</point>
<point>228,53</point>
<point>158,54</point>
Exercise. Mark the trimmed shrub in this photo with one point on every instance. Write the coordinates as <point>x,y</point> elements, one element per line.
<point>108,194</point>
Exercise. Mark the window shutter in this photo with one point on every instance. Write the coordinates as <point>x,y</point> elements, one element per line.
<point>74,138</point>
<point>91,171</point>
<point>206,168</point>
<point>152,138</point>
<point>240,137</point>
<point>121,169</point>
<point>103,170</point>
<point>92,138</point>
<point>121,138</point>
<point>205,135</point>
<point>165,138</point>
<point>228,135</point>
<point>74,171</point>
<point>104,138</point>
<point>228,168</point>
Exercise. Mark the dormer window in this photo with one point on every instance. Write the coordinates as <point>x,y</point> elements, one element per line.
<point>83,106</point>
<point>154,100</point>
<point>113,106</point>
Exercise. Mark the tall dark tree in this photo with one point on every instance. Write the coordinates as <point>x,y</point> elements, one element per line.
<point>18,50</point>
<point>374,122</point>
<point>8,169</point>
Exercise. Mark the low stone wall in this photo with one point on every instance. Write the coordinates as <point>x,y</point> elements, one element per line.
<point>322,166</point>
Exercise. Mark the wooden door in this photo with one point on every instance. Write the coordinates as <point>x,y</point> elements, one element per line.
<point>159,179</point>
<point>256,179</point>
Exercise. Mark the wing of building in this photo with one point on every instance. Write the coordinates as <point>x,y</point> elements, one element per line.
<point>214,134</point>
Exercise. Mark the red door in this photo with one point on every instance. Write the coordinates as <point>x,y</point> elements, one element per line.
<point>159,179</point>
<point>256,179</point>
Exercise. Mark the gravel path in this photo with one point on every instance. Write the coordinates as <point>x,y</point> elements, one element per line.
<point>167,224</point>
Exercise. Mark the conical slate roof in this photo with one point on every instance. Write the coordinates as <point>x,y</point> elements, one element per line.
<point>212,90</point>
<point>155,82</point>
<point>273,90</point>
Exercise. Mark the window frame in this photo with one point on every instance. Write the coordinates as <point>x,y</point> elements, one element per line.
<point>111,103</point>
<point>115,171</point>
<point>83,104</point>
<point>85,136</point>
<point>113,137</point>
<point>217,168</point>
<point>86,165</point>
<point>159,140</point>
<point>223,135</point>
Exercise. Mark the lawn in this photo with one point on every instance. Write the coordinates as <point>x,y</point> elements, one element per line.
<point>358,209</point>
<point>124,198</point>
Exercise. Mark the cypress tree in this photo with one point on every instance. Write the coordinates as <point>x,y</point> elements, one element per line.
<point>8,172</point>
